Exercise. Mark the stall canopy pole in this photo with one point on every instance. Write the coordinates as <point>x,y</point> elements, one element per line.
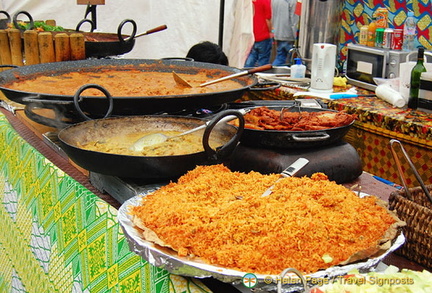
<point>221,22</point>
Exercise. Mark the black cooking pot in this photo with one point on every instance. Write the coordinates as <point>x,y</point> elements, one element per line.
<point>97,105</point>
<point>294,139</point>
<point>97,44</point>
<point>157,167</point>
<point>101,45</point>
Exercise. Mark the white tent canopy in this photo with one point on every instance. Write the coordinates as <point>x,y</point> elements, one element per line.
<point>188,21</point>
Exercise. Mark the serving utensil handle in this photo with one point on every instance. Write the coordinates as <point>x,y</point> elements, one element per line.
<point>401,174</point>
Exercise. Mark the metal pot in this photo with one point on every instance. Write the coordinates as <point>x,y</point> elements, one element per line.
<point>97,45</point>
<point>97,105</point>
<point>101,45</point>
<point>294,139</point>
<point>161,167</point>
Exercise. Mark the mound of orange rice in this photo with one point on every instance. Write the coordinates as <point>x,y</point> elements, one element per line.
<point>306,223</point>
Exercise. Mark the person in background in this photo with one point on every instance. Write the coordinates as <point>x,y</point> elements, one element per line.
<point>262,26</point>
<point>285,24</point>
<point>207,52</point>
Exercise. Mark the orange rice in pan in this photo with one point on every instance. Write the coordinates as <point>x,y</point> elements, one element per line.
<point>306,223</point>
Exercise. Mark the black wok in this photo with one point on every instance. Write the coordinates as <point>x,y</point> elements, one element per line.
<point>101,45</point>
<point>294,139</point>
<point>97,45</point>
<point>157,167</point>
<point>97,105</point>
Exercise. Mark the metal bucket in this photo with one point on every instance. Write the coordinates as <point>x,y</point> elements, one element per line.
<point>319,23</point>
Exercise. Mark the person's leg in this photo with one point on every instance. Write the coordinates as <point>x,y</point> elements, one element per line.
<point>283,48</point>
<point>264,52</point>
<point>252,58</point>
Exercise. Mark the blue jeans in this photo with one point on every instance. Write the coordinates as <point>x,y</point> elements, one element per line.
<point>283,48</point>
<point>260,54</point>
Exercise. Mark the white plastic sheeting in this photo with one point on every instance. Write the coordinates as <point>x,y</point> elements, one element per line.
<point>188,21</point>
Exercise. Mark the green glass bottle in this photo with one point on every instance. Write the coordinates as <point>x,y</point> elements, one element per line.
<point>416,72</point>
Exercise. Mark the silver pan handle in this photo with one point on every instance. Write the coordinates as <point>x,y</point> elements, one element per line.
<point>311,137</point>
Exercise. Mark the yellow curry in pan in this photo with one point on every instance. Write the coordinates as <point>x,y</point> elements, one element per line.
<point>121,144</point>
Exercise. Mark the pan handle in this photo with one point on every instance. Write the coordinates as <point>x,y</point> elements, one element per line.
<point>8,18</point>
<point>92,28</point>
<point>77,99</point>
<point>318,136</point>
<point>120,28</point>
<point>227,148</point>
<point>265,86</point>
<point>15,20</point>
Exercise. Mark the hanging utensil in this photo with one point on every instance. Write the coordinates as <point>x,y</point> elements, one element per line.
<point>157,138</point>
<point>180,81</point>
<point>241,73</point>
<point>290,171</point>
<point>400,170</point>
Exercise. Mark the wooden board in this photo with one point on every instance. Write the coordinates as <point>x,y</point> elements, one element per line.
<point>91,2</point>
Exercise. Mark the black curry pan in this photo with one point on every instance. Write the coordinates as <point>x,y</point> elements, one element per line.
<point>148,167</point>
<point>97,105</point>
<point>285,139</point>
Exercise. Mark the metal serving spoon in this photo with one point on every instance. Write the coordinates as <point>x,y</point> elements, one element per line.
<point>290,171</point>
<point>158,138</point>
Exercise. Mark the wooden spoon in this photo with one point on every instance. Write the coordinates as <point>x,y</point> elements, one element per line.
<point>180,81</point>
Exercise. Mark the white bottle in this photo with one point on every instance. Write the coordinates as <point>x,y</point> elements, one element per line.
<point>298,70</point>
<point>409,32</point>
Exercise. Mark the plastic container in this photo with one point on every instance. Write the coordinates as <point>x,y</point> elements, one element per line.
<point>298,70</point>
<point>409,32</point>
<point>371,34</point>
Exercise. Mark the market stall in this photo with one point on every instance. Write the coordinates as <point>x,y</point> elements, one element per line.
<point>84,147</point>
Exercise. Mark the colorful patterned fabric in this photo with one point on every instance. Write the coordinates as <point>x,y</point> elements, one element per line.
<point>57,236</point>
<point>377,123</point>
<point>357,13</point>
<point>416,126</point>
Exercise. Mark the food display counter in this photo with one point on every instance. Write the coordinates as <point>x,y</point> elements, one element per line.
<point>59,225</point>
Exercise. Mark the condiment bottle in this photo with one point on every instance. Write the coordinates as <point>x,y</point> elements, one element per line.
<point>371,34</point>
<point>416,72</point>
<point>363,38</point>
<point>298,70</point>
<point>409,32</point>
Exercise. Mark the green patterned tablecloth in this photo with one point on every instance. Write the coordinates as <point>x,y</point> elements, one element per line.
<point>57,236</point>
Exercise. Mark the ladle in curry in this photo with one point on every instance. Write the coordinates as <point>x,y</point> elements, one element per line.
<point>241,73</point>
<point>158,138</point>
<point>180,81</point>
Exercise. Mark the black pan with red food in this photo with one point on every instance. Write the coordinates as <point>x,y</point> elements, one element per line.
<point>275,138</point>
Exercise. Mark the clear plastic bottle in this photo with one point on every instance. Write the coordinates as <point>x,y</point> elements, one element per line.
<point>409,32</point>
<point>298,70</point>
